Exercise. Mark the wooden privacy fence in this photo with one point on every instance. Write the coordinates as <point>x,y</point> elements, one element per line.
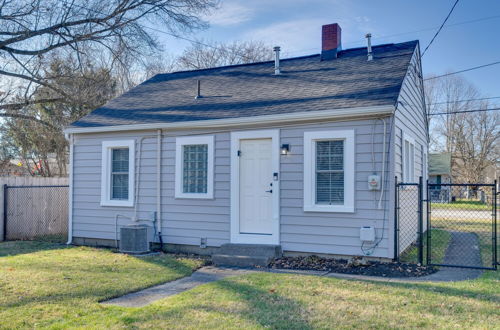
<point>33,208</point>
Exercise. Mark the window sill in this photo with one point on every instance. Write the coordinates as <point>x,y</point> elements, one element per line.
<point>124,203</point>
<point>329,209</point>
<point>194,196</point>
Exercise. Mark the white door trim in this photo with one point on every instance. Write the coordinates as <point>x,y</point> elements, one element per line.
<point>236,237</point>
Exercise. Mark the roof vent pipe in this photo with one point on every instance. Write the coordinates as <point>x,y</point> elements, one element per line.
<point>198,89</point>
<point>369,39</point>
<point>277,60</point>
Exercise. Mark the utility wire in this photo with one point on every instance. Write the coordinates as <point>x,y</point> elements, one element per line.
<point>465,70</point>
<point>387,36</point>
<point>467,100</point>
<point>440,28</point>
<point>465,111</point>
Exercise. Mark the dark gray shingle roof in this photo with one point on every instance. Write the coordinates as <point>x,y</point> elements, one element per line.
<point>306,84</point>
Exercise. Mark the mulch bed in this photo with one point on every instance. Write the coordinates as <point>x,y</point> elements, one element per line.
<point>356,266</point>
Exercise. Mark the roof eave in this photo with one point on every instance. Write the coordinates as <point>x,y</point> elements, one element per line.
<point>245,121</point>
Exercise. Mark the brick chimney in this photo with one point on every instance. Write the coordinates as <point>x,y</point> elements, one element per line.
<point>330,41</point>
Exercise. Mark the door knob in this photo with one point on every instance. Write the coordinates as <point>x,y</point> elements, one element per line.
<point>269,191</point>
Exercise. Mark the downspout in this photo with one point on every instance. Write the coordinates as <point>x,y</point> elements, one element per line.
<point>158,188</point>
<point>70,138</point>
<point>384,161</point>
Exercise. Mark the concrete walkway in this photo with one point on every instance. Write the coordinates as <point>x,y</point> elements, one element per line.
<point>458,252</point>
<point>199,277</point>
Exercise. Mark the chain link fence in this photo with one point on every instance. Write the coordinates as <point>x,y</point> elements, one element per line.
<point>35,213</point>
<point>462,218</point>
<point>452,225</point>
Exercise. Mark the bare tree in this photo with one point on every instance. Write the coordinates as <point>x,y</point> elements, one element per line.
<point>30,30</point>
<point>476,137</point>
<point>202,55</point>
<point>41,143</point>
<point>471,137</point>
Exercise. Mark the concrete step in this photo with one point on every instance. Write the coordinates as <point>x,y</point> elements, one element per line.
<point>240,261</point>
<point>258,250</point>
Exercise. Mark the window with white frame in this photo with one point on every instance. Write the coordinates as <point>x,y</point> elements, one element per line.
<point>329,171</point>
<point>194,167</point>
<point>408,159</point>
<point>118,164</point>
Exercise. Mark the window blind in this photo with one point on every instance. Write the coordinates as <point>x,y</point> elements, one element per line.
<point>330,172</point>
<point>119,173</point>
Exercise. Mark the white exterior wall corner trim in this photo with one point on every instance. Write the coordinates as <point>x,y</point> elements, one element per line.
<point>244,121</point>
<point>235,235</point>
<point>310,139</point>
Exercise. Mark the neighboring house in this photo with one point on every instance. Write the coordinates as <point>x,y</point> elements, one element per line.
<point>239,154</point>
<point>440,173</point>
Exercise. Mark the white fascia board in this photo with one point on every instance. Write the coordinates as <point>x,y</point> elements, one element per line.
<point>244,121</point>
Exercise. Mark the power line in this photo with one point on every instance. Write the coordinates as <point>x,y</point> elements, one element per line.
<point>467,100</point>
<point>480,19</point>
<point>465,111</point>
<point>435,27</point>
<point>440,28</point>
<point>465,70</point>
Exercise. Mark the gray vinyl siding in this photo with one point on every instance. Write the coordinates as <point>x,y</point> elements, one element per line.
<point>334,233</point>
<point>410,117</point>
<point>410,120</point>
<point>90,219</point>
<point>186,221</point>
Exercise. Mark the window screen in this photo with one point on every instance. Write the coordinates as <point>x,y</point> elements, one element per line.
<point>195,168</point>
<point>119,173</point>
<point>330,172</point>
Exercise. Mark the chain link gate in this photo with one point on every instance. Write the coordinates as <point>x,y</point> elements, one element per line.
<point>35,212</point>
<point>463,225</point>
<point>450,225</point>
<point>409,223</point>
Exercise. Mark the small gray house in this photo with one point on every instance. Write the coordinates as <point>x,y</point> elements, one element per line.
<point>298,153</point>
<point>440,173</point>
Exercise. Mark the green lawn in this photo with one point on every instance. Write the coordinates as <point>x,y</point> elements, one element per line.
<point>47,286</point>
<point>440,239</point>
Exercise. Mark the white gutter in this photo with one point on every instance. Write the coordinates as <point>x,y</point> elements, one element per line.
<point>70,190</point>
<point>244,121</point>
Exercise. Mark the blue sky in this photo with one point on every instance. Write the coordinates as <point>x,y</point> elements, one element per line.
<point>295,25</point>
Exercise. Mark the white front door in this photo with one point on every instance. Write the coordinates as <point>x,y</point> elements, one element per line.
<point>256,179</point>
<point>255,187</point>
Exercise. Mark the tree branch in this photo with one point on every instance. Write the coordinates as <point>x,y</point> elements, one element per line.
<point>35,80</point>
<point>26,117</point>
<point>20,105</point>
